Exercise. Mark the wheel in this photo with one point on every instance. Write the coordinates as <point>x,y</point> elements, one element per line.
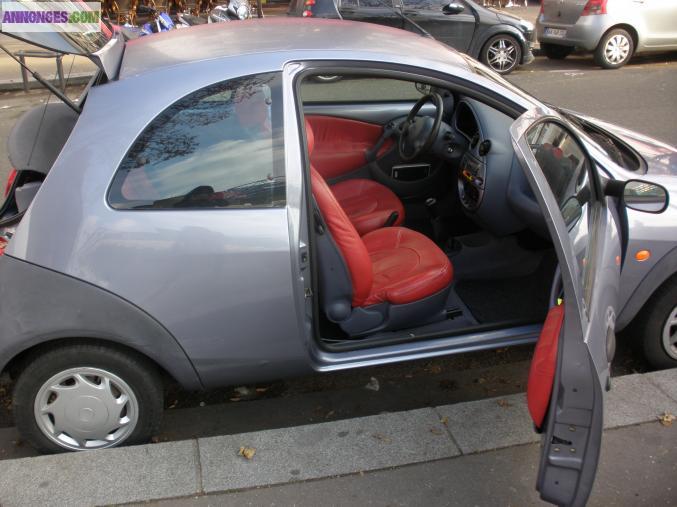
<point>657,326</point>
<point>87,396</point>
<point>615,49</point>
<point>555,51</point>
<point>502,53</point>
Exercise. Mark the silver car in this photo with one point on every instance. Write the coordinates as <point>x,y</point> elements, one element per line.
<point>238,221</point>
<point>614,30</point>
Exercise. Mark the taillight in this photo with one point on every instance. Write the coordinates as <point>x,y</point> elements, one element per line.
<point>10,181</point>
<point>594,7</point>
<point>307,12</point>
<point>3,245</point>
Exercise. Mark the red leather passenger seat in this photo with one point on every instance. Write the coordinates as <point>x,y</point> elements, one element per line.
<point>389,265</point>
<point>368,204</point>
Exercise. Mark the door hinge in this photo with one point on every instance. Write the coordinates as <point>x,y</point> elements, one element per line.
<point>308,293</point>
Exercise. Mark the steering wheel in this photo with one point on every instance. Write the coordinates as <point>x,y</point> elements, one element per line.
<point>417,134</point>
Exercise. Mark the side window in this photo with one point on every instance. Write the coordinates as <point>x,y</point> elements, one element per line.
<point>219,147</point>
<point>567,170</point>
<point>424,4</point>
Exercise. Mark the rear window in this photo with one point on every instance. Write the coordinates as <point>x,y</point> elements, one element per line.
<point>219,147</point>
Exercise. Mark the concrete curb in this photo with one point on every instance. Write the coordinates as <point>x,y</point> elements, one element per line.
<point>209,465</point>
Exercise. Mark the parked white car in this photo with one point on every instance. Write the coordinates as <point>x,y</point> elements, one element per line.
<point>614,29</point>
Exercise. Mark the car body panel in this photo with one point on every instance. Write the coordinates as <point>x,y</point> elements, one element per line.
<point>72,309</point>
<point>653,22</point>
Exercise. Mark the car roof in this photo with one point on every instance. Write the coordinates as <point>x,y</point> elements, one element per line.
<point>300,37</point>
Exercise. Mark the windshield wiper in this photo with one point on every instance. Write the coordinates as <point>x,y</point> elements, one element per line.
<point>75,107</point>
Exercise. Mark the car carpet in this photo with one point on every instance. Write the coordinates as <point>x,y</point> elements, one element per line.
<point>523,298</point>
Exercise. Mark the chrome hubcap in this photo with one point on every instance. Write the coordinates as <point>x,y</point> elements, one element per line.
<point>617,49</point>
<point>86,408</point>
<point>670,334</point>
<point>502,55</point>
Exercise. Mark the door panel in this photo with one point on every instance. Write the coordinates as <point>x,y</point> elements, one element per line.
<point>585,236</point>
<point>341,143</point>
<point>660,21</point>
<point>455,30</point>
<point>380,12</point>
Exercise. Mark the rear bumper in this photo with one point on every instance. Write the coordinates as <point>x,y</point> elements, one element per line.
<point>585,34</point>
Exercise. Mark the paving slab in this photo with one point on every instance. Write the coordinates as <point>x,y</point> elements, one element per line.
<point>637,468</point>
<point>324,450</point>
<point>128,474</point>
<point>634,399</point>
<point>490,424</point>
<point>666,381</point>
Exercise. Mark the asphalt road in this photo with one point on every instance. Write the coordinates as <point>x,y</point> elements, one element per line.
<point>641,96</point>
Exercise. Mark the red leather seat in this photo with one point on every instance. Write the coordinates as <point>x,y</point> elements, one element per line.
<point>389,265</point>
<point>368,204</point>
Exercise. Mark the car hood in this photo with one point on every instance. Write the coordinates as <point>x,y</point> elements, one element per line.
<point>660,157</point>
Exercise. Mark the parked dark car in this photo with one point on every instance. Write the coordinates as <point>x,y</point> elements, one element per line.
<point>497,39</point>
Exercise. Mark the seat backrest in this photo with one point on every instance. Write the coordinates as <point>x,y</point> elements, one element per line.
<point>343,232</point>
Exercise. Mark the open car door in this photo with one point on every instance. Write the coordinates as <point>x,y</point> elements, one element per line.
<point>570,368</point>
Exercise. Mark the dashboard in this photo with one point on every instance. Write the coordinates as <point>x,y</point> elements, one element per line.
<point>488,172</point>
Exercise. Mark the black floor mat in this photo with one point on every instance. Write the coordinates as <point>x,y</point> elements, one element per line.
<point>518,298</point>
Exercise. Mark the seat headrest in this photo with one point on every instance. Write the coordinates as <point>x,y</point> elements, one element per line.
<point>310,137</point>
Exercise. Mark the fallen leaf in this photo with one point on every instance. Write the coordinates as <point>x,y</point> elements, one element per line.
<point>373,384</point>
<point>329,414</point>
<point>173,405</point>
<point>666,419</point>
<point>435,369</point>
<point>445,420</point>
<point>247,452</point>
<point>504,403</point>
<point>436,431</point>
<point>382,438</point>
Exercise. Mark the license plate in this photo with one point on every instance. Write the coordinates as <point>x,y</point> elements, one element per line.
<point>557,33</point>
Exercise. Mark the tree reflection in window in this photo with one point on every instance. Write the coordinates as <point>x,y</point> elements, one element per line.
<point>219,147</point>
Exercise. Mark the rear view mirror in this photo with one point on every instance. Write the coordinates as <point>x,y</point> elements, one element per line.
<point>452,8</point>
<point>644,196</point>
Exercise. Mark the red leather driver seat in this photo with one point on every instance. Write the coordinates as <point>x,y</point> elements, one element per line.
<point>389,278</point>
<point>368,204</point>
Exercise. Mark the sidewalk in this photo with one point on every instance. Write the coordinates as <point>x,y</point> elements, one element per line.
<point>481,452</point>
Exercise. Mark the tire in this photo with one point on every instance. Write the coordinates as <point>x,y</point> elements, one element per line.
<point>615,49</point>
<point>555,51</point>
<point>502,53</point>
<point>106,386</point>
<point>656,326</point>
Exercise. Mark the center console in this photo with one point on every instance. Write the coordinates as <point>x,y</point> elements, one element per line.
<point>471,179</point>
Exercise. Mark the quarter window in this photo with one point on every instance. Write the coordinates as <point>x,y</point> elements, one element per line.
<point>219,147</point>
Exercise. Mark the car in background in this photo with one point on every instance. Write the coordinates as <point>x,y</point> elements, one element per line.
<point>499,40</point>
<point>614,30</point>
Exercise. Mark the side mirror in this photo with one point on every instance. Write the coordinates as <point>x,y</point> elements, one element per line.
<point>644,196</point>
<point>452,8</point>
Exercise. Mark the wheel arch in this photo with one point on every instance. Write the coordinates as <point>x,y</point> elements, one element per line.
<point>480,43</point>
<point>43,308</point>
<point>628,28</point>
<point>17,363</point>
<point>662,272</point>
